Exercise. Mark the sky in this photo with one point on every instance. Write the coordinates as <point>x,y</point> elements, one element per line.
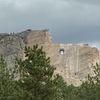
<point>69,21</point>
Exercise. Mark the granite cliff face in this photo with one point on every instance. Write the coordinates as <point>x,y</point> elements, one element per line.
<point>72,61</point>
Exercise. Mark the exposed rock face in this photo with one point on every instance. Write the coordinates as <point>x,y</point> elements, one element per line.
<point>11,47</point>
<point>74,64</point>
<point>72,61</point>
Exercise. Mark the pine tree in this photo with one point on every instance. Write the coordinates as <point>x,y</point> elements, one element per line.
<point>5,81</point>
<point>90,89</point>
<point>9,90</point>
<point>37,76</point>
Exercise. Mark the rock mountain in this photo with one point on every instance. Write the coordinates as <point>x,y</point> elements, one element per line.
<point>72,61</point>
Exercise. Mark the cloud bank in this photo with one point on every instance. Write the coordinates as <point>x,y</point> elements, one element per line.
<point>68,20</point>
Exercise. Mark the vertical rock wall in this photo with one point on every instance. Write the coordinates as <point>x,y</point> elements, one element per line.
<point>74,63</point>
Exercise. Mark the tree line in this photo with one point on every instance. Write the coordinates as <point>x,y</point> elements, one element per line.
<point>33,79</point>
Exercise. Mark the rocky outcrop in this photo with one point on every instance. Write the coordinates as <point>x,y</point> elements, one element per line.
<point>72,61</point>
<point>11,47</point>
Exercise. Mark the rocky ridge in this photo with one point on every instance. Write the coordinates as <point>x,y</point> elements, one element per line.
<point>72,61</point>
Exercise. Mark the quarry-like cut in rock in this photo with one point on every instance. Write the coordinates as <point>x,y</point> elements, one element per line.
<point>72,61</point>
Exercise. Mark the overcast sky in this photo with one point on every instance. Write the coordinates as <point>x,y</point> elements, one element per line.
<point>68,20</point>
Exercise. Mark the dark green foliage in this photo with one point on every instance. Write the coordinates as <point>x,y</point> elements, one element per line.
<point>36,76</point>
<point>9,89</point>
<point>90,90</point>
<point>5,81</point>
<point>7,84</point>
<point>36,80</point>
